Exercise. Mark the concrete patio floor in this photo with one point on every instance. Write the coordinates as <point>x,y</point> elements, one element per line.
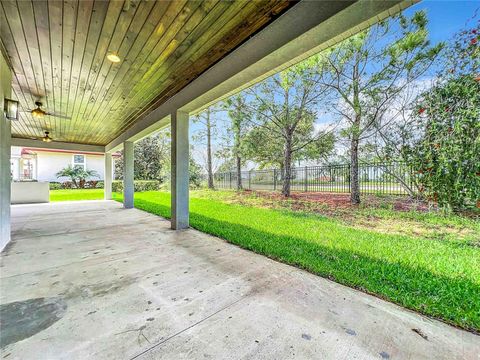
<point>90,280</point>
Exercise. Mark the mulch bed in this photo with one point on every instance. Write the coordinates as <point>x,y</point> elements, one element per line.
<point>342,201</point>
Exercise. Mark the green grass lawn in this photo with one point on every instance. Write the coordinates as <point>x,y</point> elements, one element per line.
<point>76,194</point>
<point>439,277</point>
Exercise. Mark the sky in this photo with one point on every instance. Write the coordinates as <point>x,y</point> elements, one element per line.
<point>445,19</point>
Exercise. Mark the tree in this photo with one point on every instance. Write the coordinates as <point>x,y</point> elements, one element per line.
<point>396,131</point>
<point>205,134</point>
<point>284,108</point>
<point>264,149</point>
<point>151,156</point>
<point>239,117</point>
<point>368,71</point>
<point>195,172</point>
<point>69,172</point>
<point>77,175</point>
<point>268,151</point>
<point>228,164</point>
<point>446,155</point>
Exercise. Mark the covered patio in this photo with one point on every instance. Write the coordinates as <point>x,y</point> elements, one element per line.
<point>86,288</point>
<point>99,76</point>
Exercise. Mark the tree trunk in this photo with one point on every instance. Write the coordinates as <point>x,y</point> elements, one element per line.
<point>280,176</point>
<point>239,173</point>
<point>209,152</point>
<point>354,183</point>
<point>287,165</point>
<point>236,150</point>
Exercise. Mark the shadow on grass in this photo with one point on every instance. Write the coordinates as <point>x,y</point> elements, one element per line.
<point>454,300</point>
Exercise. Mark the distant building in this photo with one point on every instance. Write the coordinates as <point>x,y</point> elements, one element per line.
<point>29,164</point>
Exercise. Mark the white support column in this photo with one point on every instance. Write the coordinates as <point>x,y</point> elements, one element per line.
<point>5,153</point>
<point>128,186</point>
<point>5,134</point>
<point>180,175</point>
<point>107,183</point>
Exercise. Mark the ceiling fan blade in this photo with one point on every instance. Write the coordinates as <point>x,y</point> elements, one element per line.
<point>59,116</point>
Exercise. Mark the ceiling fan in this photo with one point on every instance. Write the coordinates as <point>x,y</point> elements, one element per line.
<point>39,113</point>
<point>46,137</point>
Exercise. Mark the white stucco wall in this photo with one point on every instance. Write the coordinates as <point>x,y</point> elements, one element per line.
<point>30,192</point>
<point>49,163</point>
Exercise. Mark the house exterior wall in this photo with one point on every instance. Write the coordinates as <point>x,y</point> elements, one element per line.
<point>49,163</point>
<point>15,157</point>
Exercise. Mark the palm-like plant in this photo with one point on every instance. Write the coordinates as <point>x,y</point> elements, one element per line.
<point>77,175</point>
<point>69,172</point>
<point>84,175</point>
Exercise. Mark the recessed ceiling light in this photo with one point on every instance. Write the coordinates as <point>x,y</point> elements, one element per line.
<point>113,57</point>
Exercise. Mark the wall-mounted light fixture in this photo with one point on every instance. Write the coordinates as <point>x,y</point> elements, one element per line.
<point>11,109</point>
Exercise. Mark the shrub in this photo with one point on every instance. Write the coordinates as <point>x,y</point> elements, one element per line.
<point>447,154</point>
<point>139,185</point>
<point>92,184</point>
<point>67,185</point>
<point>55,186</point>
<point>117,186</point>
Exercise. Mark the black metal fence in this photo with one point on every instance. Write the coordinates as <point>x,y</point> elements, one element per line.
<point>375,178</point>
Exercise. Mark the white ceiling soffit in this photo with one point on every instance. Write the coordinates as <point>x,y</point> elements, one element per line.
<point>56,145</point>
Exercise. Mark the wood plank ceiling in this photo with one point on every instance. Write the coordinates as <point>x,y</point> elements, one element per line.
<point>58,52</point>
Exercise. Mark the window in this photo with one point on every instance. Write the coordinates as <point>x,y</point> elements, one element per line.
<point>79,161</point>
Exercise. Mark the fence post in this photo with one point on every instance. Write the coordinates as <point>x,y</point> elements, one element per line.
<point>274,179</point>
<point>250,179</point>
<point>306,178</point>
<point>349,174</point>
<point>230,174</point>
